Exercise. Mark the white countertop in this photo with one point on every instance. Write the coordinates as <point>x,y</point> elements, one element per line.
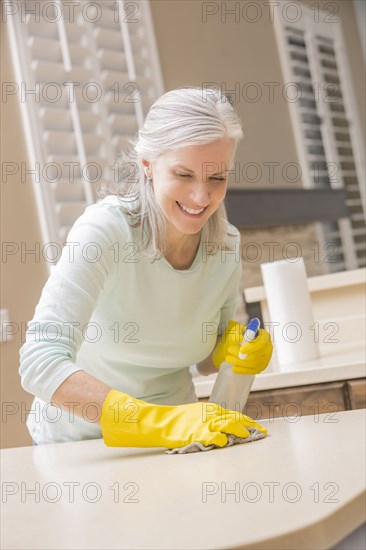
<point>316,284</point>
<point>301,487</point>
<point>344,363</point>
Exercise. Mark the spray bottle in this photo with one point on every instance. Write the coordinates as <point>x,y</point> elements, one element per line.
<point>231,390</point>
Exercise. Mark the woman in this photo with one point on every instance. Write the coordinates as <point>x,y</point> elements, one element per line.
<point>145,286</point>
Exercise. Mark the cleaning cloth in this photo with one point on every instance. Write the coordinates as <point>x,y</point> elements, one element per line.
<point>232,440</point>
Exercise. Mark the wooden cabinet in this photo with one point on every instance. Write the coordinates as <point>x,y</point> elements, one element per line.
<point>313,399</point>
<point>294,402</point>
<point>357,393</point>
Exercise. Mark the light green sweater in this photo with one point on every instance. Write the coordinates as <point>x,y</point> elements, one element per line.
<point>134,323</point>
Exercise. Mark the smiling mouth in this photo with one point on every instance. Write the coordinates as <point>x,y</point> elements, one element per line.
<point>190,211</point>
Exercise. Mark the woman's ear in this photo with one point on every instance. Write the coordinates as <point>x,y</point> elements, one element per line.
<point>147,168</point>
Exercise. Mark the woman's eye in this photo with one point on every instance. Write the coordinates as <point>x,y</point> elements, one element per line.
<point>189,175</point>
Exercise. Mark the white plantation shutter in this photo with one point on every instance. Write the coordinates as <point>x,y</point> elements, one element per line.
<point>95,73</point>
<point>325,122</point>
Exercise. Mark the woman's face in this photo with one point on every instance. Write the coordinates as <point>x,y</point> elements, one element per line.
<point>191,178</point>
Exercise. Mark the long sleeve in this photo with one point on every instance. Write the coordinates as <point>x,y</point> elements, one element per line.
<point>229,307</point>
<point>55,334</point>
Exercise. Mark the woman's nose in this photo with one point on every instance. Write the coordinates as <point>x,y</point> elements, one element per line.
<point>200,194</point>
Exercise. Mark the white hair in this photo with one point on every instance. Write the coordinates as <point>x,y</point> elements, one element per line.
<point>183,117</point>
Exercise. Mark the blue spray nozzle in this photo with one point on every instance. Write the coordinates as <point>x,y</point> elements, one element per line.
<point>251,333</point>
<point>252,329</point>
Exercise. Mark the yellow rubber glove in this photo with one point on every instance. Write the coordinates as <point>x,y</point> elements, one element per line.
<point>129,422</point>
<point>259,351</point>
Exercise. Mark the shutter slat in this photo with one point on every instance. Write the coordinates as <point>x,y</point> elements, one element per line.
<point>133,14</point>
<point>111,39</point>
<point>116,61</point>
<point>44,29</point>
<point>45,48</point>
<point>359,232</point>
<point>359,217</point>
<point>68,166</point>
<point>110,19</point>
<point>60,119</point>
<point>74,30</point>
<point>35,28</point>
<point>60,142</point>
<point>353,188</point>
<point>123,124</point>
<point>56,119</point>
<point>352,202</point>
<point>118,103</point>
<point>65,143</point>
<point>48,72</point>
<point>55,72</point>
<point>347,173</point>
<point>113,60</point>
<point>111,78</point>
<point>58,96</point>
<point>345,157</point>
<point>92,143</point>
<point>89,121</point>
<point>78,54</point>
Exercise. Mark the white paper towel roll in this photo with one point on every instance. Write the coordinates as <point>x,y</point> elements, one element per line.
<point>290,311</point>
